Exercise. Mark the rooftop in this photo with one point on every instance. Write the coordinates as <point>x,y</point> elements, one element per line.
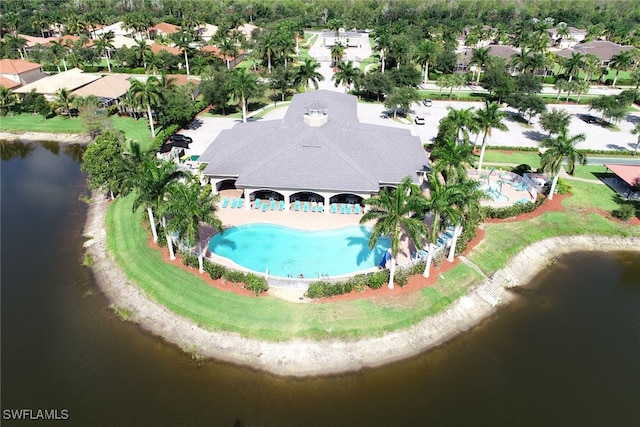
<point>17,66</point>
<point>343,155</point>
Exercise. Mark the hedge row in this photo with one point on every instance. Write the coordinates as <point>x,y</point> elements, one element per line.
<point>253,282</point>
<point>510,211</point>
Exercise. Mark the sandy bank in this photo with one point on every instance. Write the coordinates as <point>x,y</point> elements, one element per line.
<point>304,357</point>
<point>26,136</point>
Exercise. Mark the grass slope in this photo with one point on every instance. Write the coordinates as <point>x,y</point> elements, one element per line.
<point>264,318</point>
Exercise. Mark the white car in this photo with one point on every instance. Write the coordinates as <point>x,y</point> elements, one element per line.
<point>419,120</point>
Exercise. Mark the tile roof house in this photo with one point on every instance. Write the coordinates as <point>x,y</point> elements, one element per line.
<point>16,72</point>
<point>109,88</point>
<point>70,80</point>
<point>157,48</point>
<point>603,49</point>
<point>163,28</point>
<point>318,149</point>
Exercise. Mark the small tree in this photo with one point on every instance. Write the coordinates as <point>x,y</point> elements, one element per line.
<point>555,120</point>
<point>401,97</point>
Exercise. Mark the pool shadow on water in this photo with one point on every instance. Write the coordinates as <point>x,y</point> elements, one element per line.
<point>365,253</point>
<point>222,242</point>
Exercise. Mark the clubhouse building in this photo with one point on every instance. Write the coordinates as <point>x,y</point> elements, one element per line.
<point>318,153</point>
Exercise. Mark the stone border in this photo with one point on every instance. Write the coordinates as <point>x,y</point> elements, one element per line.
<point>300,358</point>
<point>28,136</point>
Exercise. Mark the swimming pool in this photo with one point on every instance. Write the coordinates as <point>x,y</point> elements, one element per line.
<point>495,193</point>
<point>288,252</point>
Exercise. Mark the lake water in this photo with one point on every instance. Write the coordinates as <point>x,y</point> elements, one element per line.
<point>565,353</point>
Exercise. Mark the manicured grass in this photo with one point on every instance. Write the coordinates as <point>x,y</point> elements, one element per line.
<point>36,123</point>
<point>588,171</point>
<point>586,195</point>
<point>265,318</point>
<point>502,241</point>
<point>530,158</point>
<point>137,130</point>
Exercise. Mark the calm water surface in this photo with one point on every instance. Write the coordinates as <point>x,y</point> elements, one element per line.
<point>565,353</point>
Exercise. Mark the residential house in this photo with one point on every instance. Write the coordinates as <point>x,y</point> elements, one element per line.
<point>163,29</point>
<point>575,36</point>
<point>16,72</point>
<point>603,49</point>
<point>49,85</point>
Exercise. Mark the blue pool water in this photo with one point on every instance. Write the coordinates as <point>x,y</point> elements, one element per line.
<point>494,193</point>
<point>287,252</point>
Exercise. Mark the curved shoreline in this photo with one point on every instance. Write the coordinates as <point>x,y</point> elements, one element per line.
<point>30,136</point>
<point>300,358</point>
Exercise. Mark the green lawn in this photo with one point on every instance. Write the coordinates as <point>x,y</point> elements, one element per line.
<point>530,158</point>
<point>36,123</point>
<point>586,195</point>
<point>265,317</point>
<point>588,171</point>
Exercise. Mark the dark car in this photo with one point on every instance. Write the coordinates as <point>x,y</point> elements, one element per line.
<point>180,138</point>
<point>589,119</point>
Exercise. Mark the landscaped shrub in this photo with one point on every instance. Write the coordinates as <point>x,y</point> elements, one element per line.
<point>234,276</point>
<point>189,259</point>
<point>254,283</point>
<point>624,212</point>
<point>377,279</point>
<point>316,290</point>
<point>164,134</point>
<point>402,276</point>
<point>215,271</point>
<point>509,211</point>
<point>563,187</point>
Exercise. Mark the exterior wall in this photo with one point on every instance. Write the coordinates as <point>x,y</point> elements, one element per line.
<point>31,76</point>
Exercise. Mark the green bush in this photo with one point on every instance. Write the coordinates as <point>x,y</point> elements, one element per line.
<point>550,80</point>
<point>189,259</point>
<point>215,271</point>
<point>402,276</point>
<point>254,283</point>
<point>316,290</point>
<point>164,134</point>
<point>509,211</point>
<point>624,212</point>
<point>563,187</point>
<point>234,276</point>
<point>377,279</point>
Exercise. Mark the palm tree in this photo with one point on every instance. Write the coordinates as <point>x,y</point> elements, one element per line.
<point>58,51</point>
<point>269,45</point>
<point>592,65</point>
<point>147,95</point>
<point>152,63</point>
<point>140,51</point>
<point>16,43</point>
<point>337,52</point>
<point>521,59</point>
<point>65,99</point>
<point>347,74</point>
<point>451,160</point>
<point>7,99</point>
<point>480,57</point>
<point>228,49</point>
<point>243,85</point>
<point>573,64</point>
<point>489,118</point>
<point>183,39</point>
<point>393,212</point>
<point>561,85</point>
<point>461,120</point>
<point>335,24</point>
<point>427,51</point>
<point>560,149</point>
<point>443,202</point>
<point>39,21</point>
<point>103,45</point>
<point>621,61</point>
<point>306,74</point>
<point>188,205</point>
<point>382,44</point>
<point>636,131</point>
<point>581,88</point>
<point>151,180</point>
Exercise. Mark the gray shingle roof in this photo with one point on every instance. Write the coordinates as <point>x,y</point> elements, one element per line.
<point>343,155</point>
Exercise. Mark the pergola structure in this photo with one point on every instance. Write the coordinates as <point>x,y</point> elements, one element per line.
<point>319,152</point>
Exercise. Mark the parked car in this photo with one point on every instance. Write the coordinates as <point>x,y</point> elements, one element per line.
<point>426,102</point>
<point>419,120</point>
<point>589,118</point>
<point>180,138</point>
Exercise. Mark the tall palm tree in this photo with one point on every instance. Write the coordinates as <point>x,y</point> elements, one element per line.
<point>461,120</point>
<point>58,51</point>
<point>347,74</point>
<point>560,149</point>
<point>426,52</point>
<point>573,64</point>
<point>480,57</point>
<point>140,51</point>
<point>151,180</point>
<point>337,52</point>
<point>382,44</point>
<point>636,131</point>
<point>187,205</point>
<point>307,74</point>
<point>183,39</point>
<point>393,212</point>
<point>147,95</point>
<point>243,85</point>
<point>103,45</point>
<point>520,60</point>
<point>592,64</point>
<point>621,61</point>
<point>65,99</point>
<point>561,85</point>
<point>16,43</point>
<point>451,160</point>
<point>443,202</point>
<point>581,88</point>
<point>489,118</point>
<point>228,49</point>
<point>269,46</point>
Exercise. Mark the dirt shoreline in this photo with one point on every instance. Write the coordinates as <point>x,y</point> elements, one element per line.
<point>28,136</point>
<point>300,358</point>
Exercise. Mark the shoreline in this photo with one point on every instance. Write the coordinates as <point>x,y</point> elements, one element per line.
<point>303,358</point>
<point>31,136</point>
